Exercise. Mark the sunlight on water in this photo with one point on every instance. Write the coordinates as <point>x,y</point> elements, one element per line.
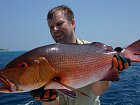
<point>29,102</point>
<point>126,91</point>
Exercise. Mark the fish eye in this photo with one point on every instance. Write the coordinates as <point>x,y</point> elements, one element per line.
<point>23,65</point>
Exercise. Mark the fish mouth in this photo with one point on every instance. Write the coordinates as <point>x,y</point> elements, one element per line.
<point>6,86</point>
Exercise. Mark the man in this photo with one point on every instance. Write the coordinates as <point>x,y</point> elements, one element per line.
<point>62,28</point>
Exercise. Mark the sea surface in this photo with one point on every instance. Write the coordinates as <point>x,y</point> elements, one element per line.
<point>126,91</point>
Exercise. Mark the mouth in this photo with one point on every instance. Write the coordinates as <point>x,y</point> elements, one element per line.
<point>59,36</point>
<point>6,86</point>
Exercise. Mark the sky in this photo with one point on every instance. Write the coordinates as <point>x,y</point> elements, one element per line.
<point>23,24</point>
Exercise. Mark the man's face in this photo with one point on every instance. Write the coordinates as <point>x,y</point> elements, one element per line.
<point>61,29</point>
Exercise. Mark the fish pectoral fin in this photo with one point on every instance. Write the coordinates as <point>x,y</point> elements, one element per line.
<point>60,88</point>
<point>72,92</point>
<point>69,93</point>
<point>112,75</point>
<point>54,85</point>
<point>65,89</point>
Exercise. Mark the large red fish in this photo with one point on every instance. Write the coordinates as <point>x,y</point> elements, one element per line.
<point>63,66</point>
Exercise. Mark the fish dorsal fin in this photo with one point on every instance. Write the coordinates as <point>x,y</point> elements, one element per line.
<point>102,46</point>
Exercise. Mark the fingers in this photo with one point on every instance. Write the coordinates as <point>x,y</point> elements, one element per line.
<point>44,95</point>
<point>38,93</point>
<point>121,62</point>
<point>115,63</point>
<point>50,95</point>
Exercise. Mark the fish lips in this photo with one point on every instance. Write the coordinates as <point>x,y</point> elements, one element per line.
<point>7,86</point>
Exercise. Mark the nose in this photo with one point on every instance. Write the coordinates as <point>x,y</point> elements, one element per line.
<point>55,28</point>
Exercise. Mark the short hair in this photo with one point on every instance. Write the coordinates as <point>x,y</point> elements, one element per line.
<point>68,13</point>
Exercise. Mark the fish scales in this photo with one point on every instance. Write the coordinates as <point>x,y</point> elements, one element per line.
<point>83,61</point>
<point>63,66</point>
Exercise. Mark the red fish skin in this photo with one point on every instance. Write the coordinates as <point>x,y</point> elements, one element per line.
<point>78,66</point>
<point>75,66</point>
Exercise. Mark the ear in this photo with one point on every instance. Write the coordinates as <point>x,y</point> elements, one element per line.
<point>73,23</point>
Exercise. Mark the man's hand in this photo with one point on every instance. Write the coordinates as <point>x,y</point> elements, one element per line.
<point>44,95</point>
<point>120,61</point>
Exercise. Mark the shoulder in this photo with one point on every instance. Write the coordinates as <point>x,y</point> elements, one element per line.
<point>81,41</point>
<point>99,44</point>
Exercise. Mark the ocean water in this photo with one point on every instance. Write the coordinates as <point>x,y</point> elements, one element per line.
<point>126,91</point>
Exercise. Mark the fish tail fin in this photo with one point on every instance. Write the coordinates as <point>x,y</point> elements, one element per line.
<point>133,51</point>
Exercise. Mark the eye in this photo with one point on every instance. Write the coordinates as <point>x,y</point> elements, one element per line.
<point>23,65</point>
<point>59,24</point>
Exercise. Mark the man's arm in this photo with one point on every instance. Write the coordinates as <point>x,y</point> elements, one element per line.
<point>99,87</point>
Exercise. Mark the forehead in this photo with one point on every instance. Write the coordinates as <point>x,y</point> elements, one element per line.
<point>58,16</point>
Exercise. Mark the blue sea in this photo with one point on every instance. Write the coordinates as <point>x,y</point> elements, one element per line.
<point>126,91</point>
